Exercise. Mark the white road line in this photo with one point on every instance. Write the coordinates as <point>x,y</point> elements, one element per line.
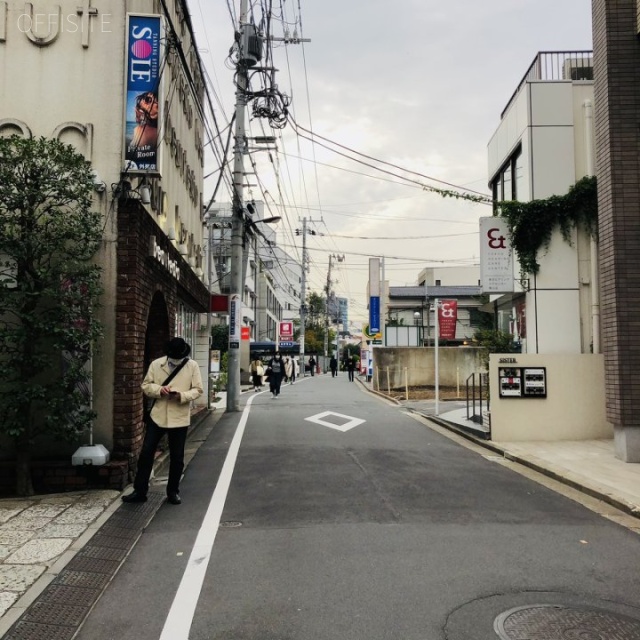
<point>180,618</point>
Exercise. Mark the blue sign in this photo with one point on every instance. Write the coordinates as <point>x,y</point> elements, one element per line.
<point>374,315</point>
<point>286,344</point>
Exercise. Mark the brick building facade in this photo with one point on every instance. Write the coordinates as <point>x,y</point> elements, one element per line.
<point>617,113</point>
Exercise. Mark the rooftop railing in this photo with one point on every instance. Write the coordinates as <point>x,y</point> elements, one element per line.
<point>556,65</point>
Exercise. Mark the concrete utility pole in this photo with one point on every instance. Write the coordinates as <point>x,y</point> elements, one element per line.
<point>303,296</point>
<point>327,314</point>
<point>237,221</point>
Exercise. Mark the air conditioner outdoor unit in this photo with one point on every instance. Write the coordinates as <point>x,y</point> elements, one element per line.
<point>577,69</point>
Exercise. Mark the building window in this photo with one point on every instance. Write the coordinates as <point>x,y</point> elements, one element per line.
<point>186,324</point>
<point>508,183</point>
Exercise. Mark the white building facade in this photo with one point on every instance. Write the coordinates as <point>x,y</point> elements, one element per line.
<point>541,148</point>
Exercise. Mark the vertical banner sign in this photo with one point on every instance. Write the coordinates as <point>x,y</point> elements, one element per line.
<point>496,256</point>
<point>447,319</point>
<point>235,311</point>
<point>142,82</point>
<point>374,295</point>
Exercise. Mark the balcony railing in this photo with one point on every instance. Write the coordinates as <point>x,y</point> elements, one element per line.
<point>556,65</point>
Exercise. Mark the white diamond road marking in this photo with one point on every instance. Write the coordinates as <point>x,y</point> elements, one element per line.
<point>350,424</point>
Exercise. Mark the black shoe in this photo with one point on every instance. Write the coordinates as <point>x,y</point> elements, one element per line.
<point>134,497</point>
<point>174,498</point>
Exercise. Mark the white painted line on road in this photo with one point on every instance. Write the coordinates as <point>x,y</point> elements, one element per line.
<point>180,618</point>
<point>350,424</point>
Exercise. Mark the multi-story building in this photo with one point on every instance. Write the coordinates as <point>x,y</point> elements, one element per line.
<point>541,148</point>
<point>122,83</point>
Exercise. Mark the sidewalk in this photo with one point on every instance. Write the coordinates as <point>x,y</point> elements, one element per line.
<point>587,465</point>
<point>62,549</point>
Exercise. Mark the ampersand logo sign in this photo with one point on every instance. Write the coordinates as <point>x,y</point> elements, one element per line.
<point>496,240</point>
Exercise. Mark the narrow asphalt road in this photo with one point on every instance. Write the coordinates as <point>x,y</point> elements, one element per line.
<point>339,516</point>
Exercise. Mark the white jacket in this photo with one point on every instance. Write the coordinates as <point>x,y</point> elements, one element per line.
<point>172,413</point>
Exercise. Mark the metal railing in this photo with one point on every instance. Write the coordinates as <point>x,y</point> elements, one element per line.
<point>476,397</point>
<point>556,65</point>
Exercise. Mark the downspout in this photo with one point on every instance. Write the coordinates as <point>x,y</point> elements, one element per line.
<point>593,246</point>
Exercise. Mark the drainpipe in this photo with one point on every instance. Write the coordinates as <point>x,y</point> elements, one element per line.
<point>593,247</point>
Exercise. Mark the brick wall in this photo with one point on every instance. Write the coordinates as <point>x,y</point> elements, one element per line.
<point>146,298</point>
<point>617,118</point>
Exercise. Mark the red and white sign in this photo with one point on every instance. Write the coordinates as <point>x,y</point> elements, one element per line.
<point>245,333</point>
<point>447,319</point>
<point>286,330</point>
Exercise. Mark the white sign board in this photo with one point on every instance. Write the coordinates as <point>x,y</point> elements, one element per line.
<point>496,256</point>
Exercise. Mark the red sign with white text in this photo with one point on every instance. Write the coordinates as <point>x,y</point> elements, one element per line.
<point>286,330</point>
<point>447,319</point>
<point>245,333</point>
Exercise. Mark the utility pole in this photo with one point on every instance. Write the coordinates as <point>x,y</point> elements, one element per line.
<point>237,220</point>
<point>303,296</point>
<point>328,290</point>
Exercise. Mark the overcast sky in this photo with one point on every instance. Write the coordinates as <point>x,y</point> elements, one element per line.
<point>419,84</point>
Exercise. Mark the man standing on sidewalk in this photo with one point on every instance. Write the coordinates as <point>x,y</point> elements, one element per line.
<point>312,365</point>
<point>172,381</point>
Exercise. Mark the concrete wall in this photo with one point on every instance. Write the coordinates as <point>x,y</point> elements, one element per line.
<point>455,365</point>
<point>574,408</point>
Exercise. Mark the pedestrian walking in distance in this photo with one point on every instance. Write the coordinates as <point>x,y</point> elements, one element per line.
<point>312,365</point>
<point>289,370</point>
<point>172,382</point>
<point>351,367</point>
<point>257,371</point>
<point>275,369</point>
<point>333,365</point>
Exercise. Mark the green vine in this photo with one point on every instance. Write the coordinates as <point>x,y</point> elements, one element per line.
<point>531,224</point>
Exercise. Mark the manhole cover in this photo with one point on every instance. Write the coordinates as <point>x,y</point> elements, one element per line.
<point>554,622</point>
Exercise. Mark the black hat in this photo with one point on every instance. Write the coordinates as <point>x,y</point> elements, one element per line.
<point>177,348</point>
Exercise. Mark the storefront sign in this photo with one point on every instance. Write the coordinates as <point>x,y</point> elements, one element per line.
<point>447,319</point>
<point>143,79</point>
<point>496,256</point>
<point>162,256</point>
<point>286,330</point>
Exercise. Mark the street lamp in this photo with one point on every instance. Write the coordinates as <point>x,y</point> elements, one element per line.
<point>417,320</point>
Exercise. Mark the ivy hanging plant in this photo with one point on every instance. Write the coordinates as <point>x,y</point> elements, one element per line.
<point>531,224</point>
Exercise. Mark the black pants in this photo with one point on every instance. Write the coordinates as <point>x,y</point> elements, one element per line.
<point>177,437</point>
<point>350,375</point>
<point>334,373</point>
<point>274,384</point>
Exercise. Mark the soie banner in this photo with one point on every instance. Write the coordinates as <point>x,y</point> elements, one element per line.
<point>144,34</point>
<point>447,319</point>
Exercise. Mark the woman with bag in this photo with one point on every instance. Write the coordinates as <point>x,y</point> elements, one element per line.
<point>257,371</point>
<point>172,381</point>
